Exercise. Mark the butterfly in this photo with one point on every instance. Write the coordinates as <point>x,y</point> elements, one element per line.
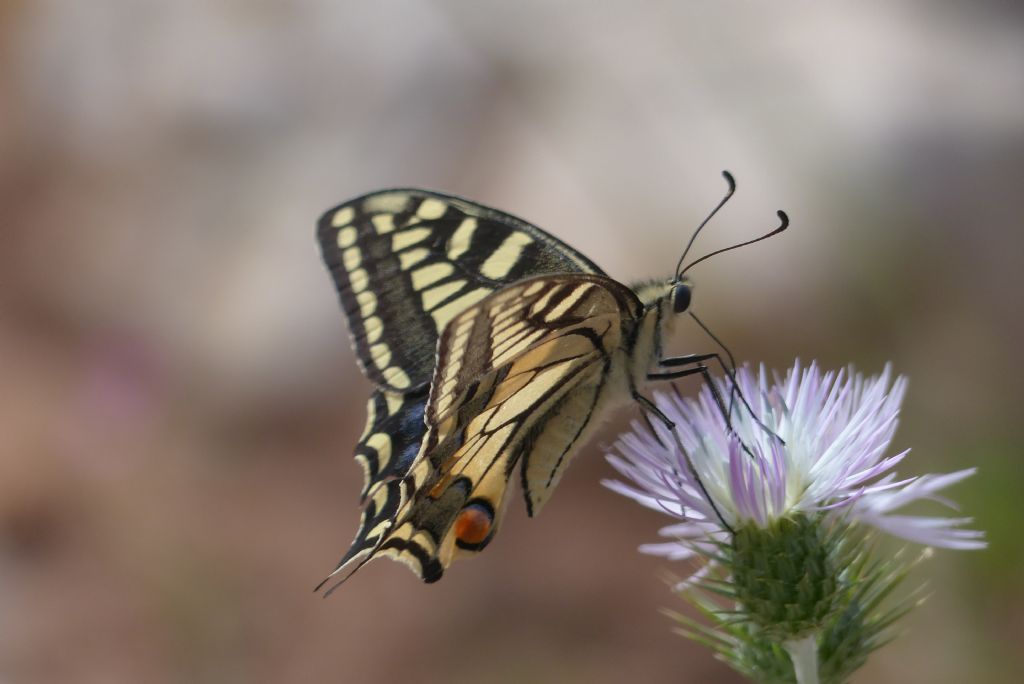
<point>494,348</point>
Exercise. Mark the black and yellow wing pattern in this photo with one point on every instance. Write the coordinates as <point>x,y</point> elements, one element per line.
<point>517,380</point>
<point>492,347</point>
<point>405,263</point>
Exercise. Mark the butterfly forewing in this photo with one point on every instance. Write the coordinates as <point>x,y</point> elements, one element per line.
<point>405,262</point>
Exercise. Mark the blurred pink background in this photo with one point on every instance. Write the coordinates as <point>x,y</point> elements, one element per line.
<point>180,402</point>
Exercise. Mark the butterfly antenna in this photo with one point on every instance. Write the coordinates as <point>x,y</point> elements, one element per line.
<point>732,188</point>
<point>785,224</point>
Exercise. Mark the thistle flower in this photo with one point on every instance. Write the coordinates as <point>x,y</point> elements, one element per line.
<point>783,503</point>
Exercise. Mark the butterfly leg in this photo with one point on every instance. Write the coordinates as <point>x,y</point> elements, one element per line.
<point>650,407</point>
<point>698,361</point>
<point>650,426</point>
<point>698,369</point>
<point>702,370</point>
<point>691,359</point>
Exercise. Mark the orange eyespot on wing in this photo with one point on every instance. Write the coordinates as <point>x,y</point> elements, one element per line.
<point>474,525</point>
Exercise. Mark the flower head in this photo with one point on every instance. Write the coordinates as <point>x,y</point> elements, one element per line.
<point>811,443</point>
<point>783,500</point>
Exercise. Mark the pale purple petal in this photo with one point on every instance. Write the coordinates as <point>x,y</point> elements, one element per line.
<point>941,532</point>
<point>669,550</point>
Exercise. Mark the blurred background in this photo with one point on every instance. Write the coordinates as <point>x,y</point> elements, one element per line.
<point>179,401</point>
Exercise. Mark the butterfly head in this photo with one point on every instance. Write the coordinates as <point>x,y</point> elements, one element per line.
<point>671,297</point>
<point>681,294</point>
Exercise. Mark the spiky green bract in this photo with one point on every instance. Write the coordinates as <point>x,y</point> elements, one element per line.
<point>784,575</point>
<point>803,576</point>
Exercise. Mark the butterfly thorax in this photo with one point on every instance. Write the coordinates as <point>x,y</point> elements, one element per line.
<point>656,323</point>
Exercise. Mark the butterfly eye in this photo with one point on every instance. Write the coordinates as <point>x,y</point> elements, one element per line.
<point>474,525</point>
<point>681,298</point>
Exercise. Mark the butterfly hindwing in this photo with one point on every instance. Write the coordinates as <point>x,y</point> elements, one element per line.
<point>387,448</point>
<point>391,438</point>
<point>405,262</point>
<point>524,364</point>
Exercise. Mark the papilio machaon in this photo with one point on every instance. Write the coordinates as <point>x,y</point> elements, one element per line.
<point>492,346</point>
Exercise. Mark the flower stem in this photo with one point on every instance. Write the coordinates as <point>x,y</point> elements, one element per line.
<point>804,654</point>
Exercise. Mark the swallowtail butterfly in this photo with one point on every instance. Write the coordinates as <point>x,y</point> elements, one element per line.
<point>493,347</point>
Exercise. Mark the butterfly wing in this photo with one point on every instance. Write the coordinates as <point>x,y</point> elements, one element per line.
<point>386,450</point>
<point>509,370</point>
<point>404,263</point>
